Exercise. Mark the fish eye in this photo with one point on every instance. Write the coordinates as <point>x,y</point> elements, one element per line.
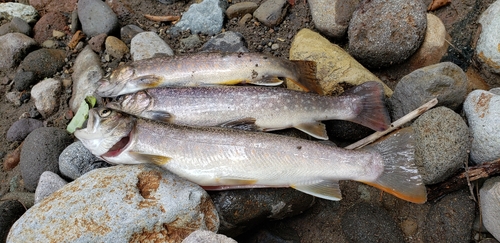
<point>104,113</point>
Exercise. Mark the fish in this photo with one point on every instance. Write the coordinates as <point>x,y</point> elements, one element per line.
<point>208,69</point>
<point>222,158</point>
<point>258,108</point>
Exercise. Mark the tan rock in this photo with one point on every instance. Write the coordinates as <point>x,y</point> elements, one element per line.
<point>434,46</point>
<point>115,47</point>
<point>335,67</point>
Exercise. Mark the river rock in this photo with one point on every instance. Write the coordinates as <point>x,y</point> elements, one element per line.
<point>115,47</point>
<point>239,9</point>
<point>46,95</point>
<point>332,18</point>
<point>482,109</point>
<point>206,17</point>
<point>128,32</point>
<point>23,11</point>
<point>488,45</point>
<point>271,12</point>
<point>49,183</point>
<point>383,33</point>
<point>23,80</point>
<point>205,236</point>
<point>335,67</point>
<point>241,210</point>
<point>97,42</point>
<point>441,144</point>
<point>76,160</point>
<point>20,129</point>
<point>15,46</point>
<point>49,22</point>
<point>490,198</point>
<point>190,42</point>
<point>16,25</point>
<point>27,199</point>
<point>96,17</point>
<point>228,41</point>
<point>10,211</point>
<point>450,219</point>
<point>87,72</point>
<point>365,222</point>
<point>433,47</point>
<point>44,63</point>
<point>119,204</point>
<point>445,81</point>
<point>146,44</point>
<point>40,153</point>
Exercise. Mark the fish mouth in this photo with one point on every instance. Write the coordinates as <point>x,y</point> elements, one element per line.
<point>105,88</point>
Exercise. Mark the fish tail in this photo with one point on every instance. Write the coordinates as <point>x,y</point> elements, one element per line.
<point>400,176</point>
<point>307,76</point>
<point>373,112</point>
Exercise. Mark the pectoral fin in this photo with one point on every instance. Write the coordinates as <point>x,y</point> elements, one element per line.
<point>149,81</point>
<point>323,189</point>
<point>315,129</point>
<point>247,124</point>
<point>162,116</point>
<point>150,158</point>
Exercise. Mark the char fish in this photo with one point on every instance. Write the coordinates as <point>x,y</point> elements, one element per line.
<point>208,69</point>
<point>258,108</point>
<point>222,158</point>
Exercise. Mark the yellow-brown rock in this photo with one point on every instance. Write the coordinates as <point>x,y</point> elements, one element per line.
<point>335,67</point>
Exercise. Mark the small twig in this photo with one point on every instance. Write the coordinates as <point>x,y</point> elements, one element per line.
<point>162,18</point>
<point>395,125</point>
<point>468,181</point>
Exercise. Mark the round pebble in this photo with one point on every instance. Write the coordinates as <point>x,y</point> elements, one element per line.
<point>96,17</point>
<point>20,129</point>
<point>383,33</point>
<point>76,160</point>
<point>40,153</point>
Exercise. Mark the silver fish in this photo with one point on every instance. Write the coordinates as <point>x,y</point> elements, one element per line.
<point>221,158</point>
<point>258,108</point>
<point>203,69</point>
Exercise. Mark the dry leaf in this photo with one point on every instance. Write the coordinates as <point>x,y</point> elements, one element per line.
<point>75,39</point>
<point>12,159</point>
<point>437,4</point>
<point>162,18</point>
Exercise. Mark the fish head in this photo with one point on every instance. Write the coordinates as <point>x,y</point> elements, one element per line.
<point>108,132</point>
<point>134,104</point>
<point>116,83</point>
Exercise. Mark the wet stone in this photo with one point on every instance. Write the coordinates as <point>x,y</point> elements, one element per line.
<point>10,211</point>
<point>365,222</point>
<point>241,210</point>
<point>23,80</point>
<point>20,129</point>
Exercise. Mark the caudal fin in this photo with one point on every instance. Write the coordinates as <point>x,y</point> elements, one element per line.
<point>373,113</point>
<point>400,177</point>
<point>307,76</point>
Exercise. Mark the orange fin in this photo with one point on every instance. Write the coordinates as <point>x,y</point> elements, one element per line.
<point>150,158</point>
<point>400,177</point>
<point>307,76</point>
<point>373,113</point>
<point>148,81</point>
<point>315,129</point>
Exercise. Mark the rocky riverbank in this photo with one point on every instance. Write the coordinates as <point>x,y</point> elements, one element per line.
<point>54,52</point>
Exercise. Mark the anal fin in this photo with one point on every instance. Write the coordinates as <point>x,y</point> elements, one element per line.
<point>320,188</point>
<point>150,158</point>
<point>315,129</point>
